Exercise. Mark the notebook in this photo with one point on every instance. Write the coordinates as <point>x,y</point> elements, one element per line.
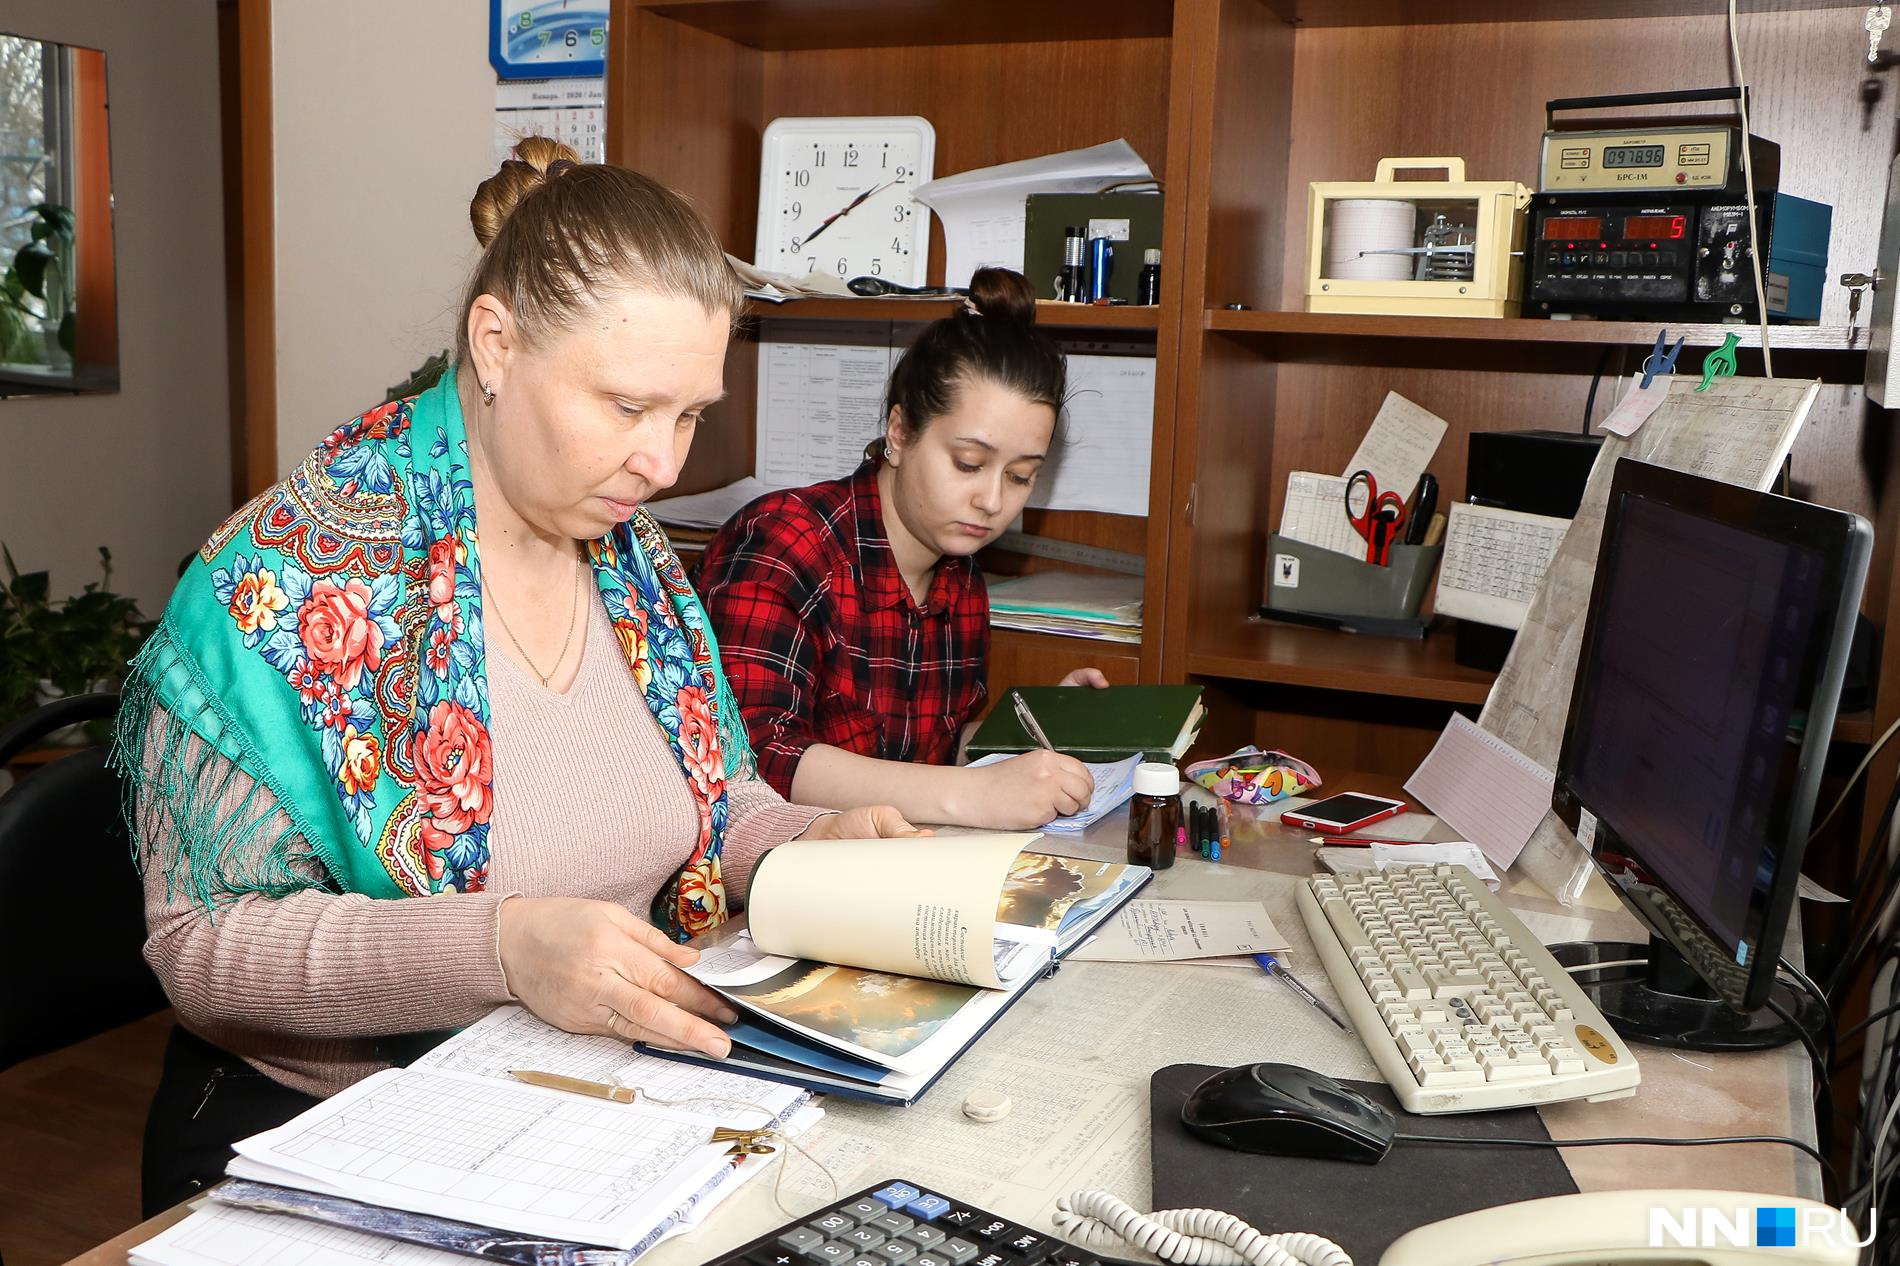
<point>1097,725</point>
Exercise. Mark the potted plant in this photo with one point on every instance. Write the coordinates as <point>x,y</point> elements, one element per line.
<point>38,281</point>
<point>49,650</point>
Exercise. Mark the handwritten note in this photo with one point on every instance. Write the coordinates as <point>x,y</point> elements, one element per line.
<point>1494,561</point>
<point>1487,790</point>
<point>1398,446</point>
<point>1315,513</point>
<point>1170,931</point>
<point>1637,404</point>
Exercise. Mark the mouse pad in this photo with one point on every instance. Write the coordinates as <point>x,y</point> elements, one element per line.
<point>1362,1208</point>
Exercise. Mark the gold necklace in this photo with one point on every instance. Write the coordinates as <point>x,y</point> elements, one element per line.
<point>572,602</point>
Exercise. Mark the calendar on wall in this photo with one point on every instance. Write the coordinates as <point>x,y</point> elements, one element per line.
<point>573,111</point>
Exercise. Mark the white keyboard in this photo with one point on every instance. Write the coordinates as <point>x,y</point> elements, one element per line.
<point>1462,1009</point>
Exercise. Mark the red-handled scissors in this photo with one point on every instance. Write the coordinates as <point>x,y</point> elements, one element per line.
<point>1375,515</point>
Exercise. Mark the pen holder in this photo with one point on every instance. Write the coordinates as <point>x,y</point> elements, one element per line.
<point>1308,578</point>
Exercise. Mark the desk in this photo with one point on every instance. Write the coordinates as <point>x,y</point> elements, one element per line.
<point>1075,1053</point>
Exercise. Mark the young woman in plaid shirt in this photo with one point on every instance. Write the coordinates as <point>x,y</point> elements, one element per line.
<point>853,619</point>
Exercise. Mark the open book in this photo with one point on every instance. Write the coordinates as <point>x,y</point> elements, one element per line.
<point>454,1137</point>
<point>867,966</point>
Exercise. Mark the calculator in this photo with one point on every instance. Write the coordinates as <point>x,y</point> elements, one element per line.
<point>899,1223</point>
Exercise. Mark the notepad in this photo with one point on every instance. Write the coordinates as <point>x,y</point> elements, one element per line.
<point>1098,725</point>
<point>1484,788</point>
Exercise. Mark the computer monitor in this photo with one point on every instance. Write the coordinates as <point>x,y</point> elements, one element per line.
<point>1711,662</point>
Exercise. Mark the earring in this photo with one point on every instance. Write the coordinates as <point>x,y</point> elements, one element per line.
<point>488,394</point>
<point>887,454</point>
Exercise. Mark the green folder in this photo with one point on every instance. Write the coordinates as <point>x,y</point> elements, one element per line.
<point>1096,725</point>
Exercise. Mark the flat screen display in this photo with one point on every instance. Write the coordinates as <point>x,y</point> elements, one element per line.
<point>1619,156</point>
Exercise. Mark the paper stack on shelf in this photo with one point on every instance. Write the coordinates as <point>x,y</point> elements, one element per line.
<point>1073,604</point>
<point>984,212</point>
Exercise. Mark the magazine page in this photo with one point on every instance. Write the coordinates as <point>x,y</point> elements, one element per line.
<point>1064,896</point>
<point>914,907</point>
<point>909,1024</point>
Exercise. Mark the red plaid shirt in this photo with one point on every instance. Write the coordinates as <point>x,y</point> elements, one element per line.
<point>821,638</point>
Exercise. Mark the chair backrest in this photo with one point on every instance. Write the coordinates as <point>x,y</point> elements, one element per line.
<point>72,908</point>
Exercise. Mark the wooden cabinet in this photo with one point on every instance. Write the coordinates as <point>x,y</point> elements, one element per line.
<point>1237,105</point>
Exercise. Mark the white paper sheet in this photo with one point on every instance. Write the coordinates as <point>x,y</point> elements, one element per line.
<point>1398,446</point>
<point>1455,853</point>
<point>1487,790</point>
<point>1494,561</point>
<point>984,211</point>
<point>819,405</point>
<point>1173,931</point>
<point>1637,404</point>
<point>219,1235</point>
<point>708,510</point>
<point>1104,449</point>
<point>1315,513</point>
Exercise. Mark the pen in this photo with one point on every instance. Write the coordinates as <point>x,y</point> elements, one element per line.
<point>574,1085</point>
<point>1028,719</point>
<point>1273,968</point>
<point>1355,841</point>
<point>1226,815</point>
<point>1418,512</point>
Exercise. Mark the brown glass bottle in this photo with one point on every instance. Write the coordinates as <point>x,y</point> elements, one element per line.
<point>1154,816</point>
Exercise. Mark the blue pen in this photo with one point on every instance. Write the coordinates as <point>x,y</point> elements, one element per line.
<point>1273,968</point>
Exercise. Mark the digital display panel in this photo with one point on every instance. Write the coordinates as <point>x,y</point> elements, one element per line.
<point>1615,156</point>
<point>1571,228</point>
<point>1654,226</point>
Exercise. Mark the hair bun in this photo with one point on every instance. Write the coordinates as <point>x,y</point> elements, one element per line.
<point>1001,292</point>
<point>536,159</point>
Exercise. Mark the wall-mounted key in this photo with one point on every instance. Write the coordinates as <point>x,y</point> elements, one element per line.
<point>1855,283</point>
<point>1879,18</point>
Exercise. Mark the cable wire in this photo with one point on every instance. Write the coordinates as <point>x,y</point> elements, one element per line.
<point>1852,780</point>
<point>1748,179</point>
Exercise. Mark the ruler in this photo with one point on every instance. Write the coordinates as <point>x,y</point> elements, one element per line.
<point>1070,552</point>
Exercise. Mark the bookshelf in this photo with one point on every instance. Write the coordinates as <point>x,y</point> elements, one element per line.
<point>1237,105</point>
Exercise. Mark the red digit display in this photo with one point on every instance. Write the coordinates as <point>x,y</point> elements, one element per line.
<point>1669,226</point>
<point>1570,229</point>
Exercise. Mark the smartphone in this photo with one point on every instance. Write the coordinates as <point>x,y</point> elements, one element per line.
<point>1336,815</point>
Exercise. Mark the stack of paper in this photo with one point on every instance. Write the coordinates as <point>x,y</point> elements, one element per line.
<point>454,1139</point>
<point>1073,604</point>
<point>984,212</point>
<point>762,283</point>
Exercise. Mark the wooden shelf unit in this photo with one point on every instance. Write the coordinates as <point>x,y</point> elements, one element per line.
<point>1238,105</point>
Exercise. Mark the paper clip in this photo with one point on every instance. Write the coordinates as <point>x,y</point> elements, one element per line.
<point>1720,363</point>
<point>1656,363</point>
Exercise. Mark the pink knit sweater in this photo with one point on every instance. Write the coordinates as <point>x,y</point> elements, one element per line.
<point>590,803</point>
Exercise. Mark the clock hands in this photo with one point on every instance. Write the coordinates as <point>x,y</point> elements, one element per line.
<point>847,210</point>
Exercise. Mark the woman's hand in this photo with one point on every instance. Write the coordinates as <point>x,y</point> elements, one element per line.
<point>593,967</point>
<point>878,822</point>
<point>1085,677</point>
<point>1024,792</point>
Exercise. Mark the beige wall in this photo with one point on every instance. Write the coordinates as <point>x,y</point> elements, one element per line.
<point>379,145</point>
<point>144,471</point>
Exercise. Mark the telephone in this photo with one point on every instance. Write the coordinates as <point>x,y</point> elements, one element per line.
<point>1596,1228</point>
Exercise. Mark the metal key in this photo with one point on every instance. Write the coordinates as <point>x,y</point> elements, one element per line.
<point>1879,18</point>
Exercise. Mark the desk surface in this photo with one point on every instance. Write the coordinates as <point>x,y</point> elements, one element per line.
<point>1075,1053</point>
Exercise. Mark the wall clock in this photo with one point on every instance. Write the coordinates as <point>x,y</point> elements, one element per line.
<point>835,197</point>
<point>547,39</point>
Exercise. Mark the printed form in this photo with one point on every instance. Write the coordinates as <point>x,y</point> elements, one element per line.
<point>1315,514</point>
<point>1494,561</point>
<point>1484,788</point>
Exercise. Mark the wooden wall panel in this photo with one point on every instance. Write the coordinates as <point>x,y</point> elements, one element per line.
<point>1477,90</point>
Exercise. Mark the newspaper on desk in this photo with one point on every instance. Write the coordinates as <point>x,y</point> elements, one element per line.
<point>1739,430</point>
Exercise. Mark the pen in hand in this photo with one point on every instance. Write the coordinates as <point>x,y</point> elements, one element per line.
<point>1273,968</point>
<point>1028,719</point>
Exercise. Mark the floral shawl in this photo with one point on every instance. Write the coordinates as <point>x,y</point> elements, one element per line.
<point>328,642</point>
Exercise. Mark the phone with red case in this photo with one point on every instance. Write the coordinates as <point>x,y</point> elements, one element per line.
<point>1337,815</point>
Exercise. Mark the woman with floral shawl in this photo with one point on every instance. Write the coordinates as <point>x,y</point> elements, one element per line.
<point>389,773</point>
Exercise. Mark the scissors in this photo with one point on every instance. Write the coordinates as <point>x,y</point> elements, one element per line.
<point>1377,516</point>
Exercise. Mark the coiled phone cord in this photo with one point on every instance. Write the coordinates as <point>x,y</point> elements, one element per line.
<point>1097,1220</point>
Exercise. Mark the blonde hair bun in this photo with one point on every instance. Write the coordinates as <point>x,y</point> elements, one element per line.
<point>498,196</point>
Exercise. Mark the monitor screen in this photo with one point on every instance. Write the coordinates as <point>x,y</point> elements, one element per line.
<point>1713,647</point>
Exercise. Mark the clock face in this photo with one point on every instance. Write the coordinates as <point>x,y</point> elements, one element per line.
<point>835,197</point>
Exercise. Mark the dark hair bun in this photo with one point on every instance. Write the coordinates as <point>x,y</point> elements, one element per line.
<point>999,292</point>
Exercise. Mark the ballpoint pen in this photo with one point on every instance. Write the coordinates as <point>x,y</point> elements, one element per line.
<point>1273,968</point>
<point>1028,719</point>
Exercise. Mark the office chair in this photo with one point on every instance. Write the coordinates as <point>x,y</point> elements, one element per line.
<point>72,909</point>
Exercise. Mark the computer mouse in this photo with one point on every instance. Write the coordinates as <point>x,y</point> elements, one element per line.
<point>1285,1110</point>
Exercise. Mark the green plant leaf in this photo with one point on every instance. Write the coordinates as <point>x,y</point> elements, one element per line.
<point>30,263</point>
<point>69,332</point>
<point>59,219</point>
